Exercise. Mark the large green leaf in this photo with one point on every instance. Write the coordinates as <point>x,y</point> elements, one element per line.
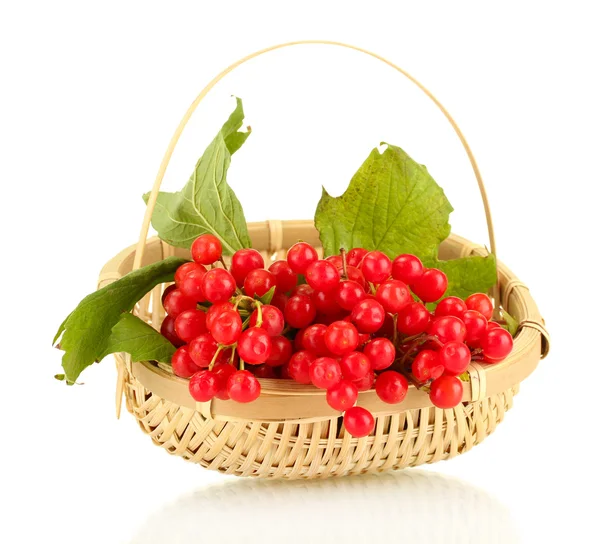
<point>207,204</point>
<point>87,330</point>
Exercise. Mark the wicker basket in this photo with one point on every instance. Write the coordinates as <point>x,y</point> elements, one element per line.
<point>290,431</point>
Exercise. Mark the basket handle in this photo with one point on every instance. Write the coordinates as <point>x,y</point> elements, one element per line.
<point>139,252</point>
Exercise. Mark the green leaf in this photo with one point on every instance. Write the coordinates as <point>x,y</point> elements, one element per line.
<point>207,204</point>
<point>131,335</point>
<point>465,376</point>
<point>268,296</point>
<point>511,324</point>
<point>87,330</point>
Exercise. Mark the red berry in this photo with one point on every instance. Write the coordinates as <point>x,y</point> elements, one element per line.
<point>302,289</point>
<point>342,395</point>
<point>279,300</point>
<point>348,294</point>
<point>368,315</point>
<point>355,256</point>
<point>203,386</point>
<point>476,325</point>
<point>185,269</point>
<point>227,327</point>
<point>285,278</point>
<point>391,387</point>
<point>222,372</point>
<point>258,282</point>
<point>254,346</point>
<point>264,371</point>
<point>176,302</point>
<point>354,274</point>
<point>376,266</point>
<point>381,352</point>
<point>242,262</point>
<point>325,372</point>
<point>168,290</point>
<point>451,306</point>
<point>182,363</point>
<point>359,421</point>
<point>190,324</point>
<point>455,356</point>
<point>191,284</point>
<point>298,340</point>
<point>407,268</point>
<point>355,365</point>
<point>446,392</point>
<point>481,303</point>
<point>326,303</point>
<point>341,337</point>
<point>300,256</point>
<point>202,349</point>
<point>206,249</point>
<point>272,319</point>
<point>393,295</point>
<point>215,310</point>
<point>366,383</point>
<point>298,367</point>
<point>242,386</point>
<point>496,344</point>
<point>336,260</point>
<point>313,339</point>
<point>300,311</point>
<point>322,276</point>
<point>492,325</point>
<point>448,329</point>
<point>281,351</point>
<point>218,285</point>
<point>426,366</point>
<point>167,329</point>
<point>413,319</point>
<point>431,285</point>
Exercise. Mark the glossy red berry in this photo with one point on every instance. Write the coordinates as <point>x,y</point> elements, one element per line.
<point>355,365</point>
<point>281,351</point>
<point>313,339</point>
<point>242,386</point>
<point>206,249</point>
<point>476,325</point>
<point>300,311</point>
<point>413,319</point>
<point>446,392</point>
<point>341,337</point>
<point>326,303</point>
<point>381,352</point>
<point>203,386</point>
<point>368,315</point>
<point>481,303</point>
<point>325,372</point>
<point>348,294</point>
<point>254,346</point>
<point>302,289</point>
<point>258,282</point>
<point>272,319</point>
<point>366,383</point>
<point>227,327</point>
<point>355,256</point>
<point>189,324</point>
<point>167,329</point>
<point>427,366</point>
<point>222,373</point>
<point>322,276</point>
<point>336,260</point>
<point>496,344</point>
<point>376,266</point>
<point>448,329</point>
<point>185,269</point>
<point>202,349</point>
<point>298,366</point>
<point>451,306</point>
<point>391,387</point>
<point>242,262</point>
<point>279,300</point>
<point>191,285</point>
<point>182,363</point>
<point>342,396</point>
<point>285,278</point>
<point>264,371</point>
<point>215,310</point>
<point>176,302</point>
<point>354,274</point>
<point>300,256</point>
<point>455,356</point>
<point>218,285</point>
<point>168,289</point>
<point>431,285</point>
<point>393,295</point>
<point>407,268</point>
<point>359,422</point>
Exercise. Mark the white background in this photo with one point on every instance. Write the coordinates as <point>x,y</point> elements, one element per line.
<point>90,93</point>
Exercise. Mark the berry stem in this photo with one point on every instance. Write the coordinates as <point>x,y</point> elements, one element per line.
<point>414,345</point>
<point>222,261</point>
<point>231,359</point>
<point>259,317</point>
<point>344,264</point>
<point>395,336</point>
<point>241,364</point>
<point>214,359</point>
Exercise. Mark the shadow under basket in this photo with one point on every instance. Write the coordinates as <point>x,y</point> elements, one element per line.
<point>290,431</point>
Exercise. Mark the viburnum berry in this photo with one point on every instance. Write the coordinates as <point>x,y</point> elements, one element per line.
<point>376,266</point>
<point>326,303</point>
<point>298,340</point>
<point>242,386</point>
<point>202,349</point>
<point>206,249</point>
<point>368,315</point>
<point>342,396</point>
<point>254,346</point>
<point>258,282</point>
<point>448,328</point>
<point>322,276</point>
<point>355,365</point>
<point>300,256</point>
<point>341,337</point>
<point>222,373</point>
<point>167,329</point>
<point>272,319</point>
<point>413,319</point>
<point>242,262</point>
<point>298,366</point>
<point>354,274</point>
<point>285,278</point>
<point>366,383</point>
<point>451,306</point>
<point>381,352</point>
<point>359,422</point>
<point>496,344</point>
<point>215,310</point>
<point>191,284</point>
<point>218,285</point>
<point>336,260</point>
<point>492,325</point>
<point>302,289</point>
<point>176,302</point>
<point>431,285</point>
<point>281,351</point>
<point>313,339</point>
<point>476,325</point>
<point>348,294</point>
<point>182,363</point>
<point>455,356</point>
<point>446,392</point>
<point>226,327</point>
<point>391,387</point>
<point>185,269</point>
<point>393,295</point>
<point>427,366</point>
<point>279,300</point>
<point>189,324</point>
<point>264,371</point>
<point>481,303</point>
<point>203,386</point>
<point>168,289</point>
<point>300,311</point>
<point>363,338</point>
<point>407,268</point>
<point>325,372</point>
<point>355,256</point>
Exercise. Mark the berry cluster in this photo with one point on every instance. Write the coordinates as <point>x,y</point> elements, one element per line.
<point>359,321</point>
